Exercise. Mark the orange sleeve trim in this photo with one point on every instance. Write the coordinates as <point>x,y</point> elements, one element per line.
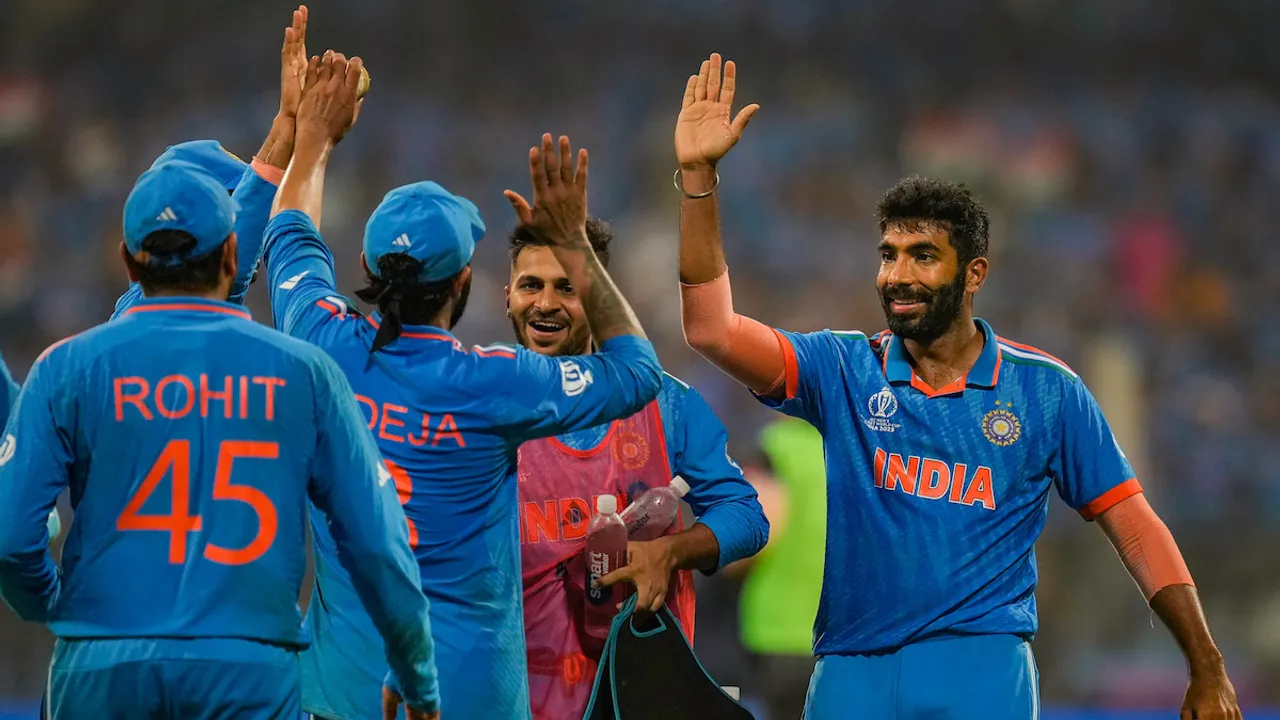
<point>790,364</point>
<point>270,173</point>
<point>1111,498</point>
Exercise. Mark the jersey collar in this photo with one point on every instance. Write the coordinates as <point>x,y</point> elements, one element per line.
<point>984,373</point>
<point>418,332</point>
<point>188,304</point>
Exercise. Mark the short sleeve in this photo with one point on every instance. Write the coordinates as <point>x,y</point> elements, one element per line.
<point>810,362</point>
<point>1090,470</point>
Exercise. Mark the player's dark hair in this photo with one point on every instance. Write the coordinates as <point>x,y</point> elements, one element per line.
<point>917,201</point>
<point>401,297</point>
<point>599,234</point>
<point>195,275</point>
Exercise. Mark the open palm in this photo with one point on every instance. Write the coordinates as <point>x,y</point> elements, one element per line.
<point>706,129</point>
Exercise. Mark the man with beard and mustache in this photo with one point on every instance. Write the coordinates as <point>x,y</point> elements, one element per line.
<point>448,420</point>
<point>942,443</point>
<point>561,477</point>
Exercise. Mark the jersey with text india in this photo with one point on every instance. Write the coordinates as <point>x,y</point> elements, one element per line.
<point>936,497</point>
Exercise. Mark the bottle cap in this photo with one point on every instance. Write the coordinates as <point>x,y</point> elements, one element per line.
<point>680,486</point>
<point>607,504</point>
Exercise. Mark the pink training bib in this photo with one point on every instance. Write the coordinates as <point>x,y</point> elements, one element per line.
<point>558,486</point>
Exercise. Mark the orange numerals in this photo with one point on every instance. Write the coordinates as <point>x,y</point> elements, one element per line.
<point>176,457</point>
<point>404,490</point>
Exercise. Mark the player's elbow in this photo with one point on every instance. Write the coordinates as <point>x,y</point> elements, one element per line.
<point>13,544</point>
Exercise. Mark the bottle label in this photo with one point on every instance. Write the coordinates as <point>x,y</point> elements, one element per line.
<point>598,567</point>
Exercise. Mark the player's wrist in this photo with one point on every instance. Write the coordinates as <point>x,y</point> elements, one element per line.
<point>1207,664</point>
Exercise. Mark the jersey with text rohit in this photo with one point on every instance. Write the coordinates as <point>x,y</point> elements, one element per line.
<point>448,421</point>
<point>936,496</point>
<point>191,439</point>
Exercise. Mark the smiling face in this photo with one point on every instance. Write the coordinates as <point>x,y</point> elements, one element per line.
<point>546,313</point>
<point>921,283</point>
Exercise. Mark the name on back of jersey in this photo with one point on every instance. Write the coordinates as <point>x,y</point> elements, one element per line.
<point>176,396</point>
<point>398,424</point>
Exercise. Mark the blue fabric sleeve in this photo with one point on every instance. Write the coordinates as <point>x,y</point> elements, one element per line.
<point>300,276</point>
<point>35,465</point>
<point>1090,470</point>
<point>544,396</point>
<point>353,488</point>
<point>810,358</point>
<point>720,497</point>
<point>254,196</point>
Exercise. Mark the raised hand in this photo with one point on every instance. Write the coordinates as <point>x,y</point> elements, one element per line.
<point>706,129</point>
<point>293,63</point>
<point>559,209</point>
<point>329,98</point>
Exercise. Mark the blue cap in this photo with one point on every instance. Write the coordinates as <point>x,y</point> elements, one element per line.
<point>178,196</point>
<point>427,223</point>
<point>210,156</point>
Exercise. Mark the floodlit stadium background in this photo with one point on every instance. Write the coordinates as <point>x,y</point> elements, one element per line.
<point>1129,153</point>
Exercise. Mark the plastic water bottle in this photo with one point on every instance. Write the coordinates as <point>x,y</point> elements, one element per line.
<point>606,551</point>
<point>654,511</point>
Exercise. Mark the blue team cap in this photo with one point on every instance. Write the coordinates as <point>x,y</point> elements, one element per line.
<point>178,196</point>
<point>210,156</point>
<point>427,223</point>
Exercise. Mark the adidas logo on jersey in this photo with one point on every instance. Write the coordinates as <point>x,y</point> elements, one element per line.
<point>167,215</point>
<point>402,241</point>
<point>292,282</point>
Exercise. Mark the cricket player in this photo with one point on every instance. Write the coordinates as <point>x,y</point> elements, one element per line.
<point>191,439</point>
<point>560,478</point>
<point>253,185</point>
<point>943,442</point>
<point>448,420</point>
<point>8,397</point>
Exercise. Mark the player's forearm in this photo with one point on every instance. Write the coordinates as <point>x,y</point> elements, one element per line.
<point>701,249</point>
<point>277,149</point>
<point>608,313</point>
<point>694,549</point>
<point>303,185</point>
<point>1179,608</point>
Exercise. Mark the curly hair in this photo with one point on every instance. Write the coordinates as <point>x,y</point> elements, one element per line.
<point>917,201</point>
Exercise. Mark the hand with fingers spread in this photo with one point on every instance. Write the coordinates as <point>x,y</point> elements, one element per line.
<point>329,98</point>
<point>293,63</point>
<point>706,129</point>
<point>559,209</point>
<point>649,567</point>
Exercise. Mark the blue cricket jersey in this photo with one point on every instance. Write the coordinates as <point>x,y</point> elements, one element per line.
<point>253,197</point>
<point>936,497</point>
<point>448,422</point>
<point>192,439</point>
<point>697,450</point>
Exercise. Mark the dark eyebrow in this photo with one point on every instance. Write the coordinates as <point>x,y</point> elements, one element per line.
<point>913,247</point>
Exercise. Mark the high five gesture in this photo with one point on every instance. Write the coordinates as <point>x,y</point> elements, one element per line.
<point>707,129</point>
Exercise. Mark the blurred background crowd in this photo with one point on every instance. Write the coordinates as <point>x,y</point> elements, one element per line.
<point>1128,152</point>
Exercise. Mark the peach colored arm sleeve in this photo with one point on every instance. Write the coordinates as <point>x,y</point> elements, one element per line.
<point>270,173</point>
<point>1145,546</point>
<point>746,349</point>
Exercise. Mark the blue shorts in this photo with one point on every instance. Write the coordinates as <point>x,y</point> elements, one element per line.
<point>979,677</point>
<point>197,679</point>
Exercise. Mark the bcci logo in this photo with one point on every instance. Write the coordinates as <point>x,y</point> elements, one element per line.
<point>1001,426</point>
<point>631,449</point>
<point>882,406</point>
